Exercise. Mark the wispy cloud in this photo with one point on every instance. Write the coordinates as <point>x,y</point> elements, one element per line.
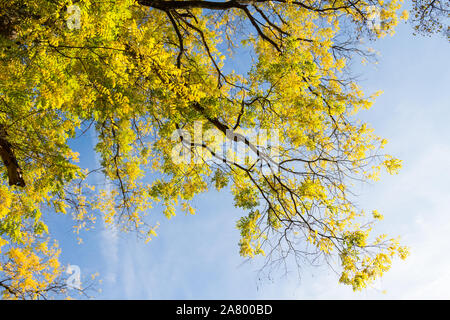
<point>109,242</point>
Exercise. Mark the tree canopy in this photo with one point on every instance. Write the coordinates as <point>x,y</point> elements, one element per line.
<point>427,16</point>
<point>151,79</point>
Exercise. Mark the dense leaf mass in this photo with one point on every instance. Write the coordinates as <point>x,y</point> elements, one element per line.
<point>144,76</point>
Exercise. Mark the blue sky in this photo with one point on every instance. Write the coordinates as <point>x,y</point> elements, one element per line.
<point>196,257</point>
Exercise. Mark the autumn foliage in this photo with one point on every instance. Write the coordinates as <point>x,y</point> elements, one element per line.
<point>140,75</point>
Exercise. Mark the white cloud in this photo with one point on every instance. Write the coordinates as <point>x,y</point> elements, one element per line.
<point>109,242</point>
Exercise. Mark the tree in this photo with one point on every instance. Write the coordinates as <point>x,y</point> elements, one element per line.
<point>427,16</point>
<point>145,76</point>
